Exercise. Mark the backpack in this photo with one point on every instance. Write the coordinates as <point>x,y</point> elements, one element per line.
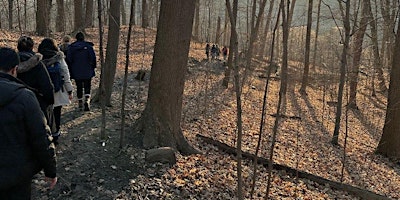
<point>54,71</point>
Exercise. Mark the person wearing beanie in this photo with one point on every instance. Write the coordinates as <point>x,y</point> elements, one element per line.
<point>25,146</point>
<point>32,72</point>
<point>52,57</point>
<point>81,61</point>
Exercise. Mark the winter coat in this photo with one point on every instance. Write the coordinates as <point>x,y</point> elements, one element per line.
<point>61,97</point>
<point>25,146</point>
<point>33,73</point>
<point>81,60</point>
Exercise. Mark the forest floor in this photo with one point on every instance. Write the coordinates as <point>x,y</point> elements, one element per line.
<point>89,168</point>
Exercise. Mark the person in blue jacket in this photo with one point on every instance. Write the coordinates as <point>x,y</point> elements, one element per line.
<point>25,144</point>
<point>81,61</point>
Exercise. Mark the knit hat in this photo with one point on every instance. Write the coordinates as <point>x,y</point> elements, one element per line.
<point>80,36</point>
<point>8,59</point>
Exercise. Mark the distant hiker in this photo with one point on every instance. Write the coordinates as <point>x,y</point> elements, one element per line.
<point>66,41</point>
<point>32,72</point>
<point>218,51</point>
<point>213,52</point>
<point>81,61</point>
<point>25,146</point>
<point>208,51</point>
<point>225,52</point>
<point>57,68</point>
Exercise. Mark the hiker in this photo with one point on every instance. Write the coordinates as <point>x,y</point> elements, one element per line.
<point>57,68</point>
<point>224,52</point>
<point>33,73</point>
<point>25,147</point>
<point>213,52</point>
<point>218,51</point>
<point>66,41</point>
<point>208,51</point>
<point>81,61</point>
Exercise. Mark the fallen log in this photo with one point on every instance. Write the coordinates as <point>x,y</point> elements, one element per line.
<point>359,192</point>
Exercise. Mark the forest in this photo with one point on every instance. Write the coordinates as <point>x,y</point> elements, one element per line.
<point>303,106</point>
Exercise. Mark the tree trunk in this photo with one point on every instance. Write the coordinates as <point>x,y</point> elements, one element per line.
<point>304,82</point>
<point>60,25</point>
<point>196,31</point>
<point>112,49</point>
<point>89,14</point>
<point>145,17</point>
<point>123,12</point>
<point>343,65</point>
<point>78,16</point>
<point>42,17</point>
<point>264,37</point>
<point>291,11</point>
<point>134,12</point>
<point>101,86</point>
<point>316,34</point>
<point>390,140</point>
<point>357,50</point>
<point>161,120</point>
<point>218,32</point>
<point>375,46</point>
<point>10,14</point>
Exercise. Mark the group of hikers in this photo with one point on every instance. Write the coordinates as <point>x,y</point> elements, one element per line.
<point>34,87</point>
<point>215,52</point>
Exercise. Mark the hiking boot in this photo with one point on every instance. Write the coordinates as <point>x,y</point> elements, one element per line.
<point>55,137</point>
<point>80,105</point>
<point>86,106</point>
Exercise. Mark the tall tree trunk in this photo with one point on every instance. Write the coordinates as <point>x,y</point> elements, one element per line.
<point>343,65</point>
<point>253,37</point>
<point>145,16</point>
<point>101,85</point>
<point>89,13</point>
<point>42,18</point>
<point>291,11</point>
<point>123,13</point>
<point>160,122</point>
<point>390,140</point>
<point>357,50</point>
<point>316,35</point>
<point>264,37</point>
<point>304,83</point>
<point>218,32</point>
<point>112,49</point>
<point>78,16</point>
<point>375,46</point>
<point>10,14</point>
<point>60,25</point>
<point>196,31</point>
<point>232,11</point>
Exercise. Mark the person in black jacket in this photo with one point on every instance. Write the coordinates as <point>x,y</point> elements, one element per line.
<point>33,73</point>
<point>25,146</point>
<point>81,61</point>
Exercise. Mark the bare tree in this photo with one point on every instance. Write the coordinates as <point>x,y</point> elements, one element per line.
<point>316,34</point>
<point>145,16</point>
<point>343,65</point>
<point>357,50</point>
<point>160,121</point>
<point>304,83</point>
<point>123,13</point>
<point>60,25</point>
<point>266,28</point>
<point>196,28</point>
<point>89,13</point>
<point>112,50</point>
<point>390,140</point>
<point>42,17</point>
<point>78,16</point>
<point>10,14</point>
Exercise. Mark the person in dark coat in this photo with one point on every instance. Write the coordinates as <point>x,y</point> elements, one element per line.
<point>62,97</point>
<point>81,61</point>
<point>25,147</point>
<point>33,73</point>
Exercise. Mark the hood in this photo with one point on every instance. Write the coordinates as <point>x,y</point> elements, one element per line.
<point>80,45</point>
<point>30,63</point>
<point>54,59</point>
<point>9,87</point>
